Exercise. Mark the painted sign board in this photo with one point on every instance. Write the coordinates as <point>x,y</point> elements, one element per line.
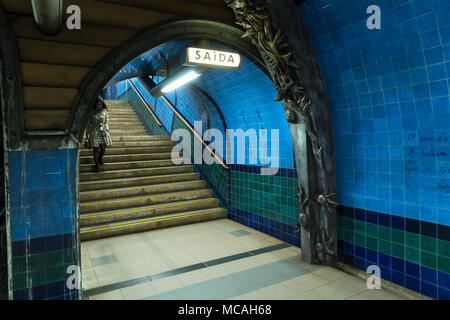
<point>212,58</point>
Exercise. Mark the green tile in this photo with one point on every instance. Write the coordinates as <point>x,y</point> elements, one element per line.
<point>412,240</point>
<point>40,277</point>
<point>412,255</point>
<point>428,244</point>
<point>385,247</point>
<point>428,259</point>
<point>360,227</point>
<point>372,243</point>
<point>19,264</point>
<point>397,236</point>
<point>443,248</point>
<point>444,263</point>
<point>350,236</point>
<point>372,230</point>
<point>19,281</point>
<point>360,240</point>
<point>398,250</point>
<point>351,224</point>
<point>384,233</point>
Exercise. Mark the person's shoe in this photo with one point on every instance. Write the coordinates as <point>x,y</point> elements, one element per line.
<point>100,161</point>
<point>96,168</point>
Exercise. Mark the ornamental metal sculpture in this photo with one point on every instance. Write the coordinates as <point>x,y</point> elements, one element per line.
<point>254,17</point>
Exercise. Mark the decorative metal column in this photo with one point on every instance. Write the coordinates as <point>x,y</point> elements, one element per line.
<point>276,30</point>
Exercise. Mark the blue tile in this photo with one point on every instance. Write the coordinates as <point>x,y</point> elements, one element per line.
<point>412,283</point>
<point>443,294</point>
<point>398,264</point>
<point>428,289</point>
<point>428,275</point>
<point>398,277</point>
<point>412,269</point>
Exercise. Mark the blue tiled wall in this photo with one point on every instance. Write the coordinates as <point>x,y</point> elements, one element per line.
<point>43,222</point>
<point>389,97</point>
<point>246,98</point>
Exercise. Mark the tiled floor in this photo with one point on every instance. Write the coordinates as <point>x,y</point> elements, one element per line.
<point>147,266</point>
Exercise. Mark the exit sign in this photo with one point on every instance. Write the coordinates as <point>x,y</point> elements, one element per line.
<point>212,58</point>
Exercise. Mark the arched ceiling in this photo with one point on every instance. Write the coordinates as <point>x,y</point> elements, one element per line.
<point>245,97</point>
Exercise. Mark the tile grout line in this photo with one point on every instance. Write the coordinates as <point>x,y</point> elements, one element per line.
<point>181,270</point>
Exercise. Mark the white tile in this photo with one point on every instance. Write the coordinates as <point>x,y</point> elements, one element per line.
<point>352,283</point>
<point>306,282</point>
<point>278,292</point>
<point>376,294</point>
<point>113,295</point>
<point>167,284</point>
<point>334,292</point>
<point>89,283</point>
<point>330,273</point>
<point>104,280</point>
<point>139,291</point>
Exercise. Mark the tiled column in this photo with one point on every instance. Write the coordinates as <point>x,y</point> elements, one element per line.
<point>43,223</point>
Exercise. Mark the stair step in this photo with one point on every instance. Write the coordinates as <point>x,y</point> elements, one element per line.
<point>128,165</point>
<point>131,150</point>
<point>117,124</point>
<point>143,200</point>
<point>137,181</point>
<point>123,118</point>
<point>127,132</point>
<point>127,158</point>
<point>139,225</point>
<point>111,193</point>
<point>125,144</point>
<point>115,174</point>
<point>98,218</point>
<point>142,138</point>
<point>113,113</point>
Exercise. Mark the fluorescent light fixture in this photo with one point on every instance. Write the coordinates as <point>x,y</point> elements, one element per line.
<point>176,80</point>
<point>188,77</point>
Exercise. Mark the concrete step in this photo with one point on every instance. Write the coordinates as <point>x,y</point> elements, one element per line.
<point>142,138</point>
<point>136,181</point>
<point>108,166</point>
<point>127,157</point>
<point>125,144</point>
<point>111,193</point>
<point>120,124</point>
<point>113,113</point>
<point>139,225</point>
<point>143,200</point>
<point>111,216</point>
<point>119,150</point>
<point>123,118</point>
<point>122,174</point>
<point>127,132</point>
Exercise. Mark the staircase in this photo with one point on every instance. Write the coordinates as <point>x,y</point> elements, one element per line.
<point>138,187</point>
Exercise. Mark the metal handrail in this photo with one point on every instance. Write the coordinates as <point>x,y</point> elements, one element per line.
<point>145,104</point>
<point>195,133</point>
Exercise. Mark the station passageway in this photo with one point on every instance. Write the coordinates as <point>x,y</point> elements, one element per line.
<point>213,260</point>
<point>225,150</point>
